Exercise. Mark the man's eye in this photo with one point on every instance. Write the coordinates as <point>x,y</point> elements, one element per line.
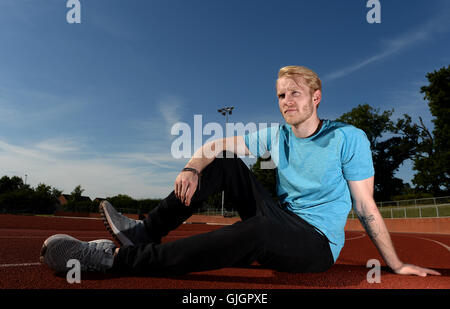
<point>281,96</point>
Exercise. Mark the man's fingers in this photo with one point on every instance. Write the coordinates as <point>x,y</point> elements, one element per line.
<point>432,272</point>
<point>177,189</point>
<point>184,188</point>
<point>189,193</point>
<point>408,269</point>
<point>423,272</point>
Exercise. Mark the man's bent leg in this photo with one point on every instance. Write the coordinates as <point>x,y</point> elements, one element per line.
<point>228,174</point>
<point>283,247</point>
<point>236,245</point>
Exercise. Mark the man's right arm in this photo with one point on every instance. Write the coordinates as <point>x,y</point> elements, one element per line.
<point>186,182</point>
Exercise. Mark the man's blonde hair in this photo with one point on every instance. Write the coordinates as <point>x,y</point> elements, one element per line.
<point>311,78</point>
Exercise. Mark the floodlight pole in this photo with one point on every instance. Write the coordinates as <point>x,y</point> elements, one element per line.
<point>225,111</point>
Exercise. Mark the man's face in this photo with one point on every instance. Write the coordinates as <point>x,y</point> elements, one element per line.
<point>296,101</point>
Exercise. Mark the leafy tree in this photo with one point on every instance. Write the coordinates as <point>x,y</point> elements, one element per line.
<point>432,161</point>
<point>43,189</point>
<point>126,203</point>
<point>43,200</point>
<point>15,201</point>
<point>17,197</point>
<point>56,192</point>
<point>123,202</point>
<point>145,205</point>
<point>76,194</point>
<point>10,184</point>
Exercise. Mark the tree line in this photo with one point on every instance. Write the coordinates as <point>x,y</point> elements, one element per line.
<point>18,197</point>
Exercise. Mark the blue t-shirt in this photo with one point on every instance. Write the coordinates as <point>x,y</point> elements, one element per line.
<point>312,172</point>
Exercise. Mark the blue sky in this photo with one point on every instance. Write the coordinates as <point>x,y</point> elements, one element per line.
<point>94,103</point>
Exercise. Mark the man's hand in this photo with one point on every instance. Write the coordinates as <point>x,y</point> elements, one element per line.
<point>373,223</point>
<point>409,269</point>
<point>186,182</point>
<point>185,186</point>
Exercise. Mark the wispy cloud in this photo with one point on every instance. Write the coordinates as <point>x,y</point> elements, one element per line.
<point>170,108</point>
<point>397,44</point>
<point>26,107</point>
<point>159,160</point>
<point>145,169</point>
<point>58,146</point>
<point>18,151</point>
<point>168,111</point>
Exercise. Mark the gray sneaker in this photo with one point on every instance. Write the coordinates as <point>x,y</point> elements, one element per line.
<point>97,255</point>
<point>126,231</point>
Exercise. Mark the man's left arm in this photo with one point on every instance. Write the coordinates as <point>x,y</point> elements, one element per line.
<point>372,221</point>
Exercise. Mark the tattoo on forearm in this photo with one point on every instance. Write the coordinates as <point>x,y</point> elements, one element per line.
<point>367,222</point>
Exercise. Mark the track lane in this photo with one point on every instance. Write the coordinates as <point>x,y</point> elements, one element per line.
<point>19,248</point>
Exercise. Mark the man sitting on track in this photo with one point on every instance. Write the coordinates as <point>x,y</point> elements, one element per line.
<point>321,165</point>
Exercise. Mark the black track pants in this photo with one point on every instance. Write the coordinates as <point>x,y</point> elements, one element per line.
<point>269,234</point>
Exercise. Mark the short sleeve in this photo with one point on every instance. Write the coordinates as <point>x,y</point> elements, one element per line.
<point>356,155</point>
<point>260,142</point>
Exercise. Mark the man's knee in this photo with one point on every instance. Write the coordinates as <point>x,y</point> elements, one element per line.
<point>259,228</point>
<point>230,161</point>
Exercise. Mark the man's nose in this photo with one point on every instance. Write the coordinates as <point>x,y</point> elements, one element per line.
<point>288,100</point>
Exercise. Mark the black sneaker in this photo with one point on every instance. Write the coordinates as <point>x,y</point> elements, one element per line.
<point>126,231</point>
<point>97,255</point>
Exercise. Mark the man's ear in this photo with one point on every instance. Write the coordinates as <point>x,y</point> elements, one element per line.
<point>317,97</point>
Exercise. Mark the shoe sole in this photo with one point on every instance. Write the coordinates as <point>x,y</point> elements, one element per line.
<point>115,233</point>
<point>44,247</point>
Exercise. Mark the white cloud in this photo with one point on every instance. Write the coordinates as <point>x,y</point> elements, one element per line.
<point>392,47</point>
<point>160,160</point>
<point>130,174</point>
<point>18,151</point>
<point>58,146</point>
<point>27,107</point>
<point>168,111</point>
<point>170,108</point>
<point>148,170</point>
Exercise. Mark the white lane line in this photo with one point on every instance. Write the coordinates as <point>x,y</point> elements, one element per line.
<point>20,265</point>
<point>435,241</point>
<point>356,237</point>
<point>21,237</point>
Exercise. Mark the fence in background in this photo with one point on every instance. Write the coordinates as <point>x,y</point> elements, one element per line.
<point>417,202</point>
<point>432,207</point>
<point>217,212</point>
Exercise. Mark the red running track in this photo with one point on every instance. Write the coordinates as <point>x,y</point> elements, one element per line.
<point>21,238</point>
